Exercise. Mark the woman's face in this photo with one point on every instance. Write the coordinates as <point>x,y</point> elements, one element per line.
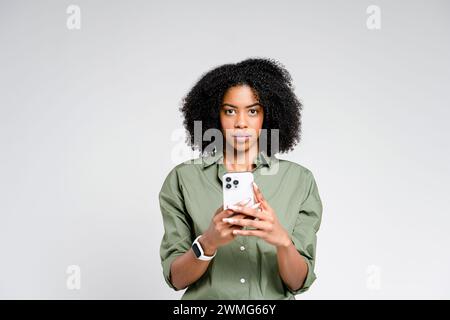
<point>241,118</point>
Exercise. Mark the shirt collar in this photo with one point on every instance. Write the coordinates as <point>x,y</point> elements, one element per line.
<point>262,159</point>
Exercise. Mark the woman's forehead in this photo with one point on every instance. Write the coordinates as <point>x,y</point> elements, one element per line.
<point>240,96</point>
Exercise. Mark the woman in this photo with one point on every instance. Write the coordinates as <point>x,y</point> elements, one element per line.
<point>266,251</point>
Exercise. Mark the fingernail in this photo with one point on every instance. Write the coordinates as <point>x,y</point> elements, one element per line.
<point>235,232</point>
<point>229,220</point>
<point>245,201</point>
<point>255,205</point>
<point>233,207</point>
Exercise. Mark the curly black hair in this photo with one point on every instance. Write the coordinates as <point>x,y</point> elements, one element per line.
<point>272,85</point>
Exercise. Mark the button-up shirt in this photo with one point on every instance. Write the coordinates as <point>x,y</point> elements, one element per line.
<point>246,267</point>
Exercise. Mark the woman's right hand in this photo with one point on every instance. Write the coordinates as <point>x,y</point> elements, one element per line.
<point>220,233</point>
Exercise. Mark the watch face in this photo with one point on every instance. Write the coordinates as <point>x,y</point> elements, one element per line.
<point>196,250</point>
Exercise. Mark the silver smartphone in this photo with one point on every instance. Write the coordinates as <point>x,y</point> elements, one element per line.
<point>237,186</point>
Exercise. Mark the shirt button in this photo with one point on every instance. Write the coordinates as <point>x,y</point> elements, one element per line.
<point>242,248</point>
<point>242,280</point>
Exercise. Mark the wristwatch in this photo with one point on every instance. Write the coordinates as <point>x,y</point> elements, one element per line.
<point>198,251</point>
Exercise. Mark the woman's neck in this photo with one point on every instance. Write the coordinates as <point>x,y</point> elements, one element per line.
<point>240,161</point>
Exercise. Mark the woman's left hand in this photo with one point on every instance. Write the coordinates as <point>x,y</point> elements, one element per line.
<point>267,225</point>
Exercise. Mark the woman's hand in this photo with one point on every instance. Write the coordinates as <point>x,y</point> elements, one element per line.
<point>219,233</point>
<point>266,223</point>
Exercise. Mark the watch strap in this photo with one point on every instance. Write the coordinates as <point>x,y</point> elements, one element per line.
<point>200,254</point>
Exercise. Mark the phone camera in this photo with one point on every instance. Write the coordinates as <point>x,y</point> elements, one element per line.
<point>228,186</point>
<point>235,182</point>
<point>228,179</point>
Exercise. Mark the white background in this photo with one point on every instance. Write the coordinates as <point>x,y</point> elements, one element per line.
<point>87,118</point>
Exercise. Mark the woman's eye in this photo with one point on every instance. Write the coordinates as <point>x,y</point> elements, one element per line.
<point>253,112</point>
<point>229,111</point>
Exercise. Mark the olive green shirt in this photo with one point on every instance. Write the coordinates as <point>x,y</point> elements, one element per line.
<point>247,267</point>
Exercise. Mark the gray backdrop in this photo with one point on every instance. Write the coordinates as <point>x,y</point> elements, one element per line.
<point>90,128</point>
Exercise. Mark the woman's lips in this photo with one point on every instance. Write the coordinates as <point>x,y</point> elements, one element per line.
<point>241,138</point>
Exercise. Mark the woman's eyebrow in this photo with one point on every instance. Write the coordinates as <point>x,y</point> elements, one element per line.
<point>230,105</point>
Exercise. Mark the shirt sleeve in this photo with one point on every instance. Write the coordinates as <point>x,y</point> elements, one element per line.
<point>305,229</point>
<point>177,230</point>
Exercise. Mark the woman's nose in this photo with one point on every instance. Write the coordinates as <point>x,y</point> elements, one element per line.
<point>241,121</point>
